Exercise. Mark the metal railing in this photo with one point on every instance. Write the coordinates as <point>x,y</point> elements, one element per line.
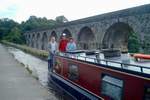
<point>127,66</point>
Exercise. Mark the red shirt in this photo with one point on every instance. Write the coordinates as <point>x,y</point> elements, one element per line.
<point>62,45</point>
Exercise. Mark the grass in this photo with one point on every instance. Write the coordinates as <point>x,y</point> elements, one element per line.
<point>35,52</point>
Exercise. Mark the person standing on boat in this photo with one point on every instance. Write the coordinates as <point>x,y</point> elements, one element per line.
<point>71,45</point>
<point>63,43</point>
<point>52,48</point>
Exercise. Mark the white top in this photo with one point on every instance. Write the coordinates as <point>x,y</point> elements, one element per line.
<point>53,47</point>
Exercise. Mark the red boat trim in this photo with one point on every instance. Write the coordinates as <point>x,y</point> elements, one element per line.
<point>142,56</point>
<point>105,68</point>
<point>79,86</point>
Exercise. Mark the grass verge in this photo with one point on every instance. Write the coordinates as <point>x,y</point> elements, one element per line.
<point>35,52</point>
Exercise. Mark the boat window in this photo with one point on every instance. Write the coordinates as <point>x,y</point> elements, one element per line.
<point>147,93</point>
<point>112,87</point>
<point>73,72</point>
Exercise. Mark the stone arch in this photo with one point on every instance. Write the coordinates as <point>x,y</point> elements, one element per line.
<point>38,41</point>
<point>53,34</point>
<point>44,41</point>
<point>86,38</point>
<point>32,41</point>
<point>116,36</point>
<point>67,32</point>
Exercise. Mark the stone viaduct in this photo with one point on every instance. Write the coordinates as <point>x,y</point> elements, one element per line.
<point>101,31</point>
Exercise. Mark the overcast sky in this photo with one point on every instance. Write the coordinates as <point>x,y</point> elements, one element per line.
<point>20,10</point>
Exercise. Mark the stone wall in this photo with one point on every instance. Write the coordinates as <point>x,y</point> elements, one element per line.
<point>102,31</point>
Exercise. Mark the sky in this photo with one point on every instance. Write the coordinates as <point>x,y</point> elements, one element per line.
<point>21,10</point>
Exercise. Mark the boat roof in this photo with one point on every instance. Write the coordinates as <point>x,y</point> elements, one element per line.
<point>116,62</point>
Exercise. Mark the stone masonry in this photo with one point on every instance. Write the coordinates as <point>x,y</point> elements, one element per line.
<point>96,32</point>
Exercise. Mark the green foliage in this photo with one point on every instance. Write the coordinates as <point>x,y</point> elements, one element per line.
<point>133,43</point>
<point>61,19</point>
<point>34,23</point>
<point>6,25</point>
<point>13,31</point>
<point>15,36</point>
<point>38,53</point>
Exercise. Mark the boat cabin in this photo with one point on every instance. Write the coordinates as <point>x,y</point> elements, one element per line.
<point>89,75</point>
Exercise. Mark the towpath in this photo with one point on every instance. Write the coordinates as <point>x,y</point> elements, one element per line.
<point>16,83</point>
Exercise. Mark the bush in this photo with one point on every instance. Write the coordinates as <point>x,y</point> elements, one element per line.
<point>133,43</point>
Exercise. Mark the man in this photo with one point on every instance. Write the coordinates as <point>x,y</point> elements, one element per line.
<point>63,43</point>
<point>71,45</point>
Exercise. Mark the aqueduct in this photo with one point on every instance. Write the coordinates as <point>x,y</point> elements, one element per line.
<point>101,31</point>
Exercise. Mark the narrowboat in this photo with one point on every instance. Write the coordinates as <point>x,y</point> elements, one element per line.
<point>89,75</point>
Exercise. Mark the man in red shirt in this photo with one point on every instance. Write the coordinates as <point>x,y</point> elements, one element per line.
<point>63,43</point>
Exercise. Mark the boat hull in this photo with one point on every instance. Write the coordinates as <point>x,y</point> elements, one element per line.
<point>75,92</point>
<point>90,81</point>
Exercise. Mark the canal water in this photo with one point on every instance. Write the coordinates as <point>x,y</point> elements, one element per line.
<point>38,69</point>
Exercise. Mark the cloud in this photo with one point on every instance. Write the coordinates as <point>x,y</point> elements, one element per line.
<point>8,9</point>
<point>20,10</point>
<point>9,12</point>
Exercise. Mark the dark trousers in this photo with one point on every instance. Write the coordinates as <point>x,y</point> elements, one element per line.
<point>50,62</point>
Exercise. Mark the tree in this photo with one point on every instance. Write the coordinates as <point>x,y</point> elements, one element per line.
<point>34,23</point>
<point>15,36</point>
<point>11,30</point>
<point>61,19</point>
<point>5,26</point>
<point>133,43</point>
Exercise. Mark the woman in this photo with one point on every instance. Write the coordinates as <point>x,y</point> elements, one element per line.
<point>52,48</point>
